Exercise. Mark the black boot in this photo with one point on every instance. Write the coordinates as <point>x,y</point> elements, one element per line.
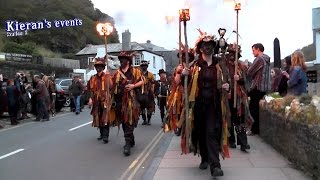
<point>126,149</point>
<point>242,138</point>
<point>144,119</point>
<point>232,145</point>
<point>215,172</point>
<point>105,140</point>
<point>14,121</point>
<point>203,165</point>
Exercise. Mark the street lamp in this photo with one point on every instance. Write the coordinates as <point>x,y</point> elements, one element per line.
<point>184,16</point>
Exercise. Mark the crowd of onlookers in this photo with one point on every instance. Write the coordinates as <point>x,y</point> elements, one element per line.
<point>292,79</point>
<point>38,95</point>
<point>17,95</point>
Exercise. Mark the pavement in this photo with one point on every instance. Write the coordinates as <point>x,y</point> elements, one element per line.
<point>261,162</point>
<point>66,148</point>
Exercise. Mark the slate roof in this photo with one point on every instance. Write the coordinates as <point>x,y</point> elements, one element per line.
<point>117,47</point>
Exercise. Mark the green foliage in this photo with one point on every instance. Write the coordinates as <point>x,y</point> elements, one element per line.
<point>24,48</point>
<point>62,40</point>
<point>309,52</point>
<point>68,56</point>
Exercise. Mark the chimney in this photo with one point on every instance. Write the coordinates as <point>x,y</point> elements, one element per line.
<point>149,45</point>
<point>126,40</point>
<point>316,30</point>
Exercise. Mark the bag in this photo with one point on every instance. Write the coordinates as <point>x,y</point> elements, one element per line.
<point>141,98</point>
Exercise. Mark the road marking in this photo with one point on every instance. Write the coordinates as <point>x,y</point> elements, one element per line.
<point>155,139</point>
<point>10,154</point>
<point>80,126</point>
<point>145,157</point>
<point>24,124</point>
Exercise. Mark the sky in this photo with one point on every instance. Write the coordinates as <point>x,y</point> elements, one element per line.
<point>260,21</point>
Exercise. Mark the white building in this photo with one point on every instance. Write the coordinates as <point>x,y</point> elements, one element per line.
<point>314,66</point>
<point>138,50</point>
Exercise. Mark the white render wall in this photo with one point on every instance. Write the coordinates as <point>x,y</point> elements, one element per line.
<point>154,67</point>
<point>317,47</point>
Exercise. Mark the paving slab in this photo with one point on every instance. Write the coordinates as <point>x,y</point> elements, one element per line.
<point>260,162</point>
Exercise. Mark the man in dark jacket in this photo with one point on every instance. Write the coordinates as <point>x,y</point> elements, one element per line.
<point>259,72</point>
<point>42,98</point>
<point>75,90</point>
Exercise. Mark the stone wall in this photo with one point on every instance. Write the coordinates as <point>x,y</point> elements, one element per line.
<point>300,143</point>
<point>9,69</point>
<point>62,63</point>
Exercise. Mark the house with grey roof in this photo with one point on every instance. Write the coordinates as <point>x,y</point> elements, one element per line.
<point>156,55</point>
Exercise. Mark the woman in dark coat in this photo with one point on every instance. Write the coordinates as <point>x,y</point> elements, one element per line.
<point>283,85</point>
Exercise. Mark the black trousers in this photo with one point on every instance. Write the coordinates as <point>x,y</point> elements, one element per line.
<point>255,97</point>
<point>104,132</point>
<point>128,132</point>
<point>162,106</point>
<point>208,129</point>
<point>238,124</point>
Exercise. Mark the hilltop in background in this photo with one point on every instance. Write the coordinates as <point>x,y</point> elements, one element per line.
<point>53,42</point>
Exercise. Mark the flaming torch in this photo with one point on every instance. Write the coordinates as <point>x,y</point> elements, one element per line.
<point>105,29</point>
<point>184,16</point>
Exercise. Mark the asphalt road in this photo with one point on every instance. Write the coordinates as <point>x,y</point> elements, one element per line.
<point>66,148</point>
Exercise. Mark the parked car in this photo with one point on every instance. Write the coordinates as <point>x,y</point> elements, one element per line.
<point>65,83</point>
<point>60,98</point>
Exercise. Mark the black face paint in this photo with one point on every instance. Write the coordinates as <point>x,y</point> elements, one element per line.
<point>123,63</point>
<point>207,48</point>
<point>144,67</point>
<point>99,68</point>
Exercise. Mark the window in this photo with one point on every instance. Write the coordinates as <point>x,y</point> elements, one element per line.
<point>90,60</point>
<point>66,82</point>
<point>137,60</point>
<point>154,62</point>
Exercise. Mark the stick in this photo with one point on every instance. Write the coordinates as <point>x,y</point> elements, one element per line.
<point>180,43</point>
<point>186,86</point>
<point>236,65</point>
<point>107,92</point>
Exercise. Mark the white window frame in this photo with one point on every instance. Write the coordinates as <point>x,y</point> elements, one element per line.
<point>90,60</point>
<point>154,62</point>
<point>137,60</point>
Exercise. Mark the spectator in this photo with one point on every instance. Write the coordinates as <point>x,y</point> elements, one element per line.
<point>297,83</point>
<point>13,95</point>
<point>276,77</point>
<point>24,97</point>
<point>283,86</point>
<point>75,90</point>
<point>51,87</point>
<point>259,72</point>
<point>42,98</point>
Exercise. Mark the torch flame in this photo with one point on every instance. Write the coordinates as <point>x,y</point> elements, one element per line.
<point>104,28</point>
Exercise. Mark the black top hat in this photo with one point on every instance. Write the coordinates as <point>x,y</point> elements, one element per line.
<point>124,55</point>
<point>144,63</point>
<point>161,71</point>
